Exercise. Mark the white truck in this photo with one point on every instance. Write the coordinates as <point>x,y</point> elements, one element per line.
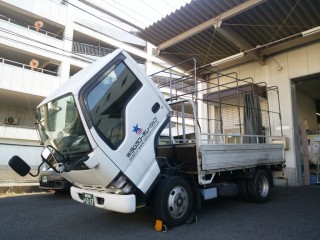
<point>101,131</point>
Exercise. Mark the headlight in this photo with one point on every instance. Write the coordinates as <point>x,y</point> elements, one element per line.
<point>121,184</point>
<point>120,181</point>
<point>127,188</point>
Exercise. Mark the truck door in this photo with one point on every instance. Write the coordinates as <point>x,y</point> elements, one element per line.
<point>125,112</point>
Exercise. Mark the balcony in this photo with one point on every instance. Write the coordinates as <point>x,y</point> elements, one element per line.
<point>30,27</point>
<point>52,10</point>
<point>19,77</point>
<point>25,38</point>
<point>17,132</point>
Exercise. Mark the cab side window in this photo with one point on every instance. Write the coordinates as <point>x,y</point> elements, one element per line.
<point>107,102</point>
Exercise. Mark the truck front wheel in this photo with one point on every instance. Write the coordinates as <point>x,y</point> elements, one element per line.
<point>173,201</point>
<point>259,187</point>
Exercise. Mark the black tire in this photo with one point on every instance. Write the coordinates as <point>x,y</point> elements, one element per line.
<point>243,189</point>
<point>173,201</point>
<point>259,187</point>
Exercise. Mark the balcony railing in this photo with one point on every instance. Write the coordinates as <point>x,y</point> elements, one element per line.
<point>19,78</point>
<point>97,51</point>
<point>27,66</point>
<point>22,24</point>
<point>88,49</point>
<point>18,132</point>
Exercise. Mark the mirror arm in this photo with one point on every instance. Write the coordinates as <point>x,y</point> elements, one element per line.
<point>35,175</point>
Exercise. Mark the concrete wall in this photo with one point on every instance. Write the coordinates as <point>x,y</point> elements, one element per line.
<point>24,132</point>
<point>27,81</point>
<point>26,117</point>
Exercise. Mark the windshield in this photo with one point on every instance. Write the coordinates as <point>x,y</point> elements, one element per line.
<point>60,126</point>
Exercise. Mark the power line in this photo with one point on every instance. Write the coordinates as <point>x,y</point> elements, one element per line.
<point>114,7</point>
<point>275,34</point>
<point>80,57</point>
<point>135,12</point>
<point>168,4</point>
<point>97,17</point>
<point>73,55</point>
<point>32,39</point>
<point>25,24</point>
<point>39,48</point>
<point>152,8</point>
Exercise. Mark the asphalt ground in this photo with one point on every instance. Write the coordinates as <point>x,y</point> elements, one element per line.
<point>292,213</point>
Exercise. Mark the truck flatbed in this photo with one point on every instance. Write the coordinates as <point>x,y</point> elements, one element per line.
<point>227,157</point>
<point>222,157</point>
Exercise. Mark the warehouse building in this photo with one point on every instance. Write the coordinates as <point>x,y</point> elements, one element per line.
<point>270,41</point>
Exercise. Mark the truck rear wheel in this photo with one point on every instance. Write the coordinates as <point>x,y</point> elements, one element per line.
<point>259,187</point>
<point>173,201</point>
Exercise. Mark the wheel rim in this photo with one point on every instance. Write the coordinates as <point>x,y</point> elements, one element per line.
<point>178,202</point>
<point>263,186</point>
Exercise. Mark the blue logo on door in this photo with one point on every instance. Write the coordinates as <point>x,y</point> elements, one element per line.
<point>137,130</point>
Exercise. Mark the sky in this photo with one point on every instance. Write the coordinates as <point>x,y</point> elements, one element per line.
<point>140,12</point>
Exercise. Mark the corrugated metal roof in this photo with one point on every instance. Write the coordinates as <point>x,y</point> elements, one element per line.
<point>260,25</point>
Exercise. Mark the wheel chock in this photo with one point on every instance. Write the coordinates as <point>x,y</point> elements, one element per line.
<point>192,219</point>
<point>160,227</point>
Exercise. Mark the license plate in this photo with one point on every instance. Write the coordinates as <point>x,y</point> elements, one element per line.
<point>88,199</point>
<point>44,179</point>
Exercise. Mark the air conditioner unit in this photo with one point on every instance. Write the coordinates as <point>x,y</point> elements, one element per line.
<point>11,120</point>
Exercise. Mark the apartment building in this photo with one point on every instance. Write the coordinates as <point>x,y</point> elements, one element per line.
<point>41,46</point>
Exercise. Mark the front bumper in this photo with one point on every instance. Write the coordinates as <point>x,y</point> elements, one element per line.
<point>55,185</point>
<point>50,180</point>
<point>112,202</point>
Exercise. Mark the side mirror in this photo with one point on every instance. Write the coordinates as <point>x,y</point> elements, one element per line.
<point>19,166</point>
<point>53,158</point>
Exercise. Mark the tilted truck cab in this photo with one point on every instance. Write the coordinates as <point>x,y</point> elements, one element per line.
<point>111,114</point>
<point>101,131</point>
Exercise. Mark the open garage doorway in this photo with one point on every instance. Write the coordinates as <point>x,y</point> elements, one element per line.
<point>306,114</point>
